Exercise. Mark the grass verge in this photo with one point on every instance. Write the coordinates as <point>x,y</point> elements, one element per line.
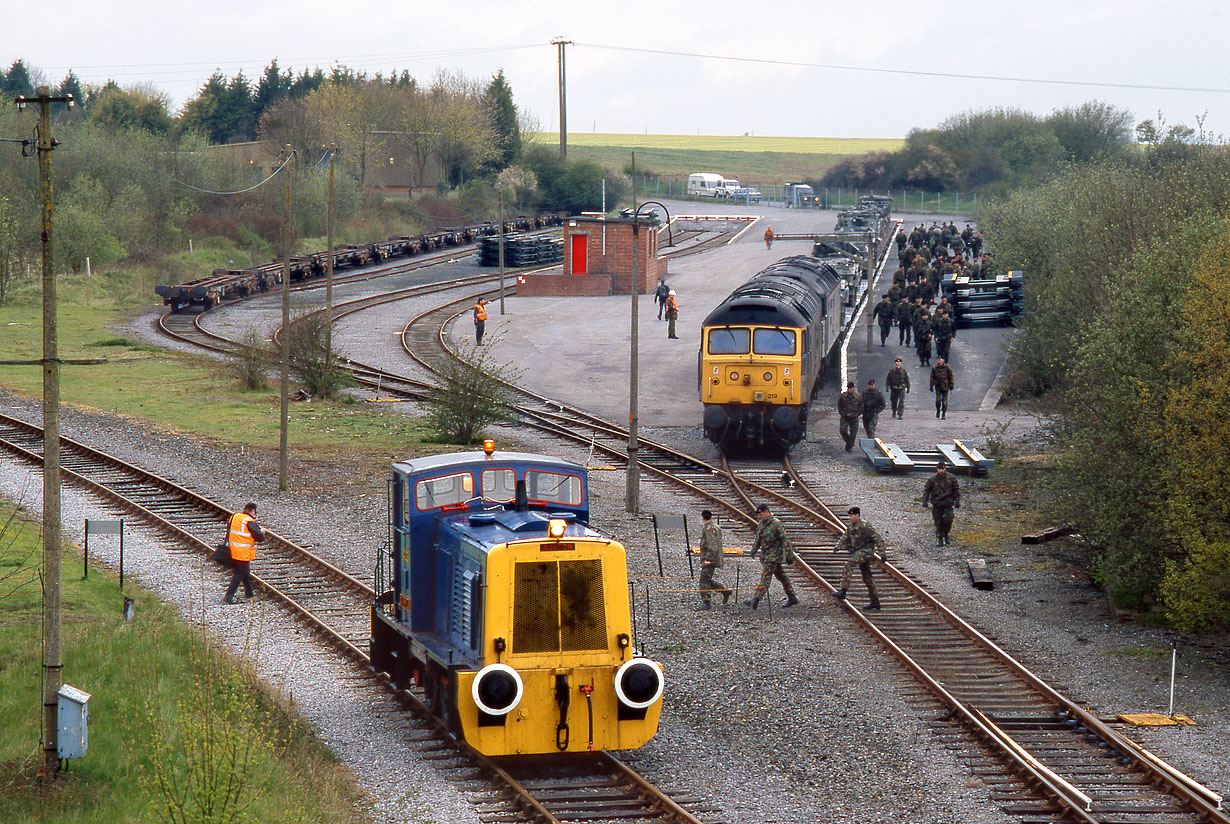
<point>180,392</point>
<point>178,730</point>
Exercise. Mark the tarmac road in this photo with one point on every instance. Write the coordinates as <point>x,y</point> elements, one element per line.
<point>576,349</point>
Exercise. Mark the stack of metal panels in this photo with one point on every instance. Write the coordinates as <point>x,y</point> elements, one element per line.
<point>995,299</point>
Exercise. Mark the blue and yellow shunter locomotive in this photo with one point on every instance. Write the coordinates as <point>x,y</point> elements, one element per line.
<point>508,610</point>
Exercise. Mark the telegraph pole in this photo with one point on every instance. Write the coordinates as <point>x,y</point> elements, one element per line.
<point>632,495</point>
<point>283,446</point>
<point>329,218</point>
<point>53,662</point>
<point>563,98</point>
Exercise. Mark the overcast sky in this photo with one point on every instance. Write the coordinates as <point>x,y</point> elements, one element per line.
<point>827,69</point>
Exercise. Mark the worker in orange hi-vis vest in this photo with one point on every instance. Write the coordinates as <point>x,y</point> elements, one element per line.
<point>768,238</point>
<point>480,320</point>
<point>243,533</point>
<point>672,314</point>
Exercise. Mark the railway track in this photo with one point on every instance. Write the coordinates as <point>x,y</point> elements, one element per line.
<point>336,607</point>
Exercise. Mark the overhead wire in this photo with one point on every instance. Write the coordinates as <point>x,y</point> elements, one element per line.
<point>271,176</point>
<point>908,72</point>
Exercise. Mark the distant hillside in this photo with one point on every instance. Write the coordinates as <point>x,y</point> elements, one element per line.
<point>753,160</point>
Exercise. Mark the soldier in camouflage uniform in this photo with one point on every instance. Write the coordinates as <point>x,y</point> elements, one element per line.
<point>775,552</point>
<point>849,410</point>
<point>944,330</point>
<point>884,312</point>
<point>943,492</point>
<point>898,383</point>
<point>904,315</point>
<point>863,543</point>
<point>873,405</point>
<point>710,561</point>
<point>922,338</point>
<point>942,381</point>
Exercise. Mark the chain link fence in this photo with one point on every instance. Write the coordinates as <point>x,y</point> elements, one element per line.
<point>905,201</point>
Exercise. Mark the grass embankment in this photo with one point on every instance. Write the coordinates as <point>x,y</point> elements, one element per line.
<point>178,731</point>
<point>753,160</point>
<point>172,390</point>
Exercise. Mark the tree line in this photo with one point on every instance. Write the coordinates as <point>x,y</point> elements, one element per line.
<point>135,181</point>
<point>1125,333</point>
<point>992,151</point>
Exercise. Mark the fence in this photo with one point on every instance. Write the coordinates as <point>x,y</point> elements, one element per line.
<point>905,201</point>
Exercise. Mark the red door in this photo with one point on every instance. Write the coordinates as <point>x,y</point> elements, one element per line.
<point>580,254</point>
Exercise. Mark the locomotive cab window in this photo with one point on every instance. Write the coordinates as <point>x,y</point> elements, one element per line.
<point>499,485</point>
<point>729,341</point>
<point>774,342</point>
<point>449,489</point>
<point>553,487</point>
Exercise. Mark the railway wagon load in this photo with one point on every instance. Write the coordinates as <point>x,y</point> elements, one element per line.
<point>232,284</point>
<point>993,299</point>
<point>763,352</point>
<point>508,610</point>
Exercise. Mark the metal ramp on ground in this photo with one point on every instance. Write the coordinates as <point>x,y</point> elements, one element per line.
<point>889,457</point>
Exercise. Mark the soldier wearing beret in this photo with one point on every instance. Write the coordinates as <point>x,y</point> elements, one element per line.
<point>943,493</point>
<point>863,543</point>
<point>775,552</point>
<point>849,409</point>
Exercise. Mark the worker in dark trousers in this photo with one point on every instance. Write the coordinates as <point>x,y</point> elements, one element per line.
<point>243,533</point>
<point>659,297</point>
<point>480,320</point>
<point>672,314</point>
<point>942,382</point>
<point>943,493</point>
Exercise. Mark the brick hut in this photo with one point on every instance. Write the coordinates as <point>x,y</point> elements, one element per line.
<point>598,259</point>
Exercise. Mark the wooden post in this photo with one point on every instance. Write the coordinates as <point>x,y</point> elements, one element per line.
<point>283,441</point>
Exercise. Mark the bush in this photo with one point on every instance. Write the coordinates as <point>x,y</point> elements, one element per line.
<point>469,396</point>
<point>250,359</point>
<point>319,375</point>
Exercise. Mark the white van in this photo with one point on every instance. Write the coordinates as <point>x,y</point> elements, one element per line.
<point>706,184</point>
<point>730,187</point>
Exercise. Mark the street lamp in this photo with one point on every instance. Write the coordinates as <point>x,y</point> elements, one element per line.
<point>632,494</point>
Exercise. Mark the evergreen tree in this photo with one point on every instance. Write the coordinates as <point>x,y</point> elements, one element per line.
<point>272,87</point>
<point>306,83</point>
<point>16,82</point>
<point>201,112</point>
<point>498,102</point>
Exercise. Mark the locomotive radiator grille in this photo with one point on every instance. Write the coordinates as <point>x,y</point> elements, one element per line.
<point>558,606</point>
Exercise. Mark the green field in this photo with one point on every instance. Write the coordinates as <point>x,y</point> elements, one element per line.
<point>751,159</point>
<point>178,730</point>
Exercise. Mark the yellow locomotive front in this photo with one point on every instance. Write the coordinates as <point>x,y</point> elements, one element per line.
<point>558,671</point>
<point>762,352</point>
<point>750,365</point>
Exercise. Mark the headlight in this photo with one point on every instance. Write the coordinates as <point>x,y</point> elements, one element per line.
<point>638,682</point>
<point>497,689</point>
